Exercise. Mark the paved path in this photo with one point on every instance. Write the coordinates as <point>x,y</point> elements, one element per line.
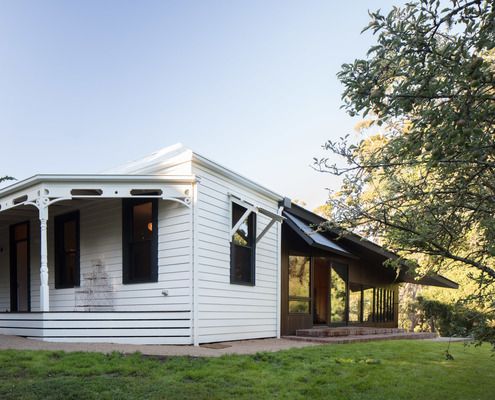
<point>238,347</point>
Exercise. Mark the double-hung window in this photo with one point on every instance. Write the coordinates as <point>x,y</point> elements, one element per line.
<point>243,247</point>
<point>140,240</point>
<point>67,250</point>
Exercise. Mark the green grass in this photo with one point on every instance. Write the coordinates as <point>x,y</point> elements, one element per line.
<point>379,370</point>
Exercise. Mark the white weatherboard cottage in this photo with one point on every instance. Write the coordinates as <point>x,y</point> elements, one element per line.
<point>141,254</point>
<point>176,249</point>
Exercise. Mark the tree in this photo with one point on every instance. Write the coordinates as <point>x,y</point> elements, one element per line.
<point>5,178</point>
<point>423,181</point>
<point>325,210</point>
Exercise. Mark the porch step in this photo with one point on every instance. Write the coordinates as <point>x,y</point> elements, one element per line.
<point>362,338</point>
<point>347,331</point>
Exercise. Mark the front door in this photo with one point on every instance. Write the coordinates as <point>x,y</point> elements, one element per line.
<point>20,291</point>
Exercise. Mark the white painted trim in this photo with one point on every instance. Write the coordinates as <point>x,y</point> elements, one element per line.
<point>242,180</point>
<point>279,275</point>
<point>236,227</point>
<point>264,231</point>
<point>95,179</point>
<point>249,209</point>
<point>195,263</point>
<point>44,288</point>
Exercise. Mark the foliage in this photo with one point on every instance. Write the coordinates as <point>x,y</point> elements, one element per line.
<point>372,370</point>
<point>5,178</point>
<point>453,319</point>
<point>422,181</point>
<point>324,211</point>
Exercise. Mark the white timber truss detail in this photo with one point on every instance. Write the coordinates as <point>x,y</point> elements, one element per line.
<point>250,208</point>
<point>41,191</point>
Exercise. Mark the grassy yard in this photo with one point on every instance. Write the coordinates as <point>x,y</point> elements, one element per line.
<point>380,370</point>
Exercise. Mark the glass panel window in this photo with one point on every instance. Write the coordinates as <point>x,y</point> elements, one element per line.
<point>299,284</point>
<point>67,250</point>
<point>299,306</point>
<point>243,247</point>
<point>140,244</point>
<point>355,296</point>
<point>338,293</point>
<point>368,304</point>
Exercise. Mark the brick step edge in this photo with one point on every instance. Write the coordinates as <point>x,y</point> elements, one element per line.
<point>363,338</point>
<point>339,332</point>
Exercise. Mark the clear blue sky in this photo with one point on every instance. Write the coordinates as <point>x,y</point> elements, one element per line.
<point>87,85</point>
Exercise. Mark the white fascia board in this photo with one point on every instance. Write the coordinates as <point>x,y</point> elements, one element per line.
<point>242,180</point>
<point>95,179</point>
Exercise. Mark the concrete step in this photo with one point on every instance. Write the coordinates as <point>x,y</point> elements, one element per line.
<point>346,331</point>
<point>363,338</point>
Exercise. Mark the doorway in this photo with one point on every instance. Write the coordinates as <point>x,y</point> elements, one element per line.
<point>330,292</point>
<point>20,286</point>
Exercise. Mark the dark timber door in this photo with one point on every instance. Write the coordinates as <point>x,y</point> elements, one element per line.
<point>20,291</point>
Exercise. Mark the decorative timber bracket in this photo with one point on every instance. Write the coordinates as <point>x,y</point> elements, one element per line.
<point>250,208</point>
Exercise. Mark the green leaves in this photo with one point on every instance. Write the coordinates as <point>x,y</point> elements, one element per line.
<point>421,180</point>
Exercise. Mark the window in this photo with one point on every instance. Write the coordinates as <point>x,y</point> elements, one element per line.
<point>140,240</point>
<point>368,304</point>
<point>355,302</point>
<point>243,247</point>
<point>338,293</point>
<point>67,250</point>
<point>299,285</point>
<point>384,305</point>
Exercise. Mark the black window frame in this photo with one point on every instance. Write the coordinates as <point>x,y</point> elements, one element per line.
<point>252,245</point>
<point>59,245</point>
<point>127,231</point>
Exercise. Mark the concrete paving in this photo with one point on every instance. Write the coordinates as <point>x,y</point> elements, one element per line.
<point>213,350</point>
<point>237,347</point>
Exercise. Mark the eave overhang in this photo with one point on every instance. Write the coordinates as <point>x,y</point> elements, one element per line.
<point>51,188</point>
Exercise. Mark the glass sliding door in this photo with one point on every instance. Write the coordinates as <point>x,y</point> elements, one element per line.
<point>368,295</point>
<point>338,294</point>
<point>355,302</point>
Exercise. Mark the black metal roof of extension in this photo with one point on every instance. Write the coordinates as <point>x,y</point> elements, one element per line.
<point>313,237</point>
<point>348,241</point>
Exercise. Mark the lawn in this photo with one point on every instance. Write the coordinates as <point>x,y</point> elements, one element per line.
<point>380,370</point>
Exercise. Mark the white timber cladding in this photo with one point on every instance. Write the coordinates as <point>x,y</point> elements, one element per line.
<point>101,288</point>
<point>228,311</point>
<point>193,300</point>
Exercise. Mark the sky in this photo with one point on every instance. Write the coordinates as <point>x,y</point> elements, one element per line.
<point>88,85</point>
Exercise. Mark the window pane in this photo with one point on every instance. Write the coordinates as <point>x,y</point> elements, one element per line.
<point>140,261</point>
<point>70,236</point>
<point>299,306</point>
<point>70,268</point>
<point>299,270</point>
<point>338,293</point>
<point>66,251</point>
<point>142,225</point>
<point>242,236</point>
<point>354,302</point>
<point>368,305</point>
<point>243,247</point>
<point>241,268</point>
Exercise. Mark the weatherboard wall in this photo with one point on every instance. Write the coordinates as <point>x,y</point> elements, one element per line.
<point>229,311</point>
<point>150,316</point>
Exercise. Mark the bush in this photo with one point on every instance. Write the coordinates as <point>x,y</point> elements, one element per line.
<point>457,320</point>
